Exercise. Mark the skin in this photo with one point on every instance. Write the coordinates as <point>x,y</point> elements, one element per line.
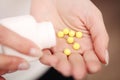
<point>79,15</point>
<point>8,63</point>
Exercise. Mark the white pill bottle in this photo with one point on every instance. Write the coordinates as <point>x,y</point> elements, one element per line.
<point>42,34</point>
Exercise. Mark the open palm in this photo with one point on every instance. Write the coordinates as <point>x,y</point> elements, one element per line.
<point>78,15</point>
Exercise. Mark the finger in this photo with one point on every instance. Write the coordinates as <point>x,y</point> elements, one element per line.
<point>92,62</point>
<point>1,78</point>
<point>48,58</point>
<point>63,66</point>
<point>78,66</point>
<point>12,63</point>
<point>15,41</point>
<point>99,36</point>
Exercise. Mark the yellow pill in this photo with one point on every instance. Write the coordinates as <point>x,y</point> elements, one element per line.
<point>70,40</point>
<point>66,31</point>
<point>67,51</point>
<point>71,33</point>
<point>76,46</point>
<point>60,34</point>
<point>79,34</point>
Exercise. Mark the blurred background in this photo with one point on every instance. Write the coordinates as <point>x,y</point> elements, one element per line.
<point>111,14</point>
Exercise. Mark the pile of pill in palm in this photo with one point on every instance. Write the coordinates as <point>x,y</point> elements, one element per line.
<point>70,39</point>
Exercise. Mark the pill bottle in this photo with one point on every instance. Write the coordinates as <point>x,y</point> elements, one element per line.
<point>42,34</point>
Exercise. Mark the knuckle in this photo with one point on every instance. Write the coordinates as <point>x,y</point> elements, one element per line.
<point>96,68</point>
<point>99,12</point>
<point>80,75</point>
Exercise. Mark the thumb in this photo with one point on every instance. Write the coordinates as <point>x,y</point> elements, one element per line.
<point>12,63</point>
<point>99,37</point>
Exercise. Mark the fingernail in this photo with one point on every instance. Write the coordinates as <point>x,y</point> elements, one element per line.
<point>36,52</point>
<point>23,66</point>
<point>107,57</point>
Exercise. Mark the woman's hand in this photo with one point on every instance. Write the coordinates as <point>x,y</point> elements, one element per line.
<point>79,15</point>
<point>11,63</point>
